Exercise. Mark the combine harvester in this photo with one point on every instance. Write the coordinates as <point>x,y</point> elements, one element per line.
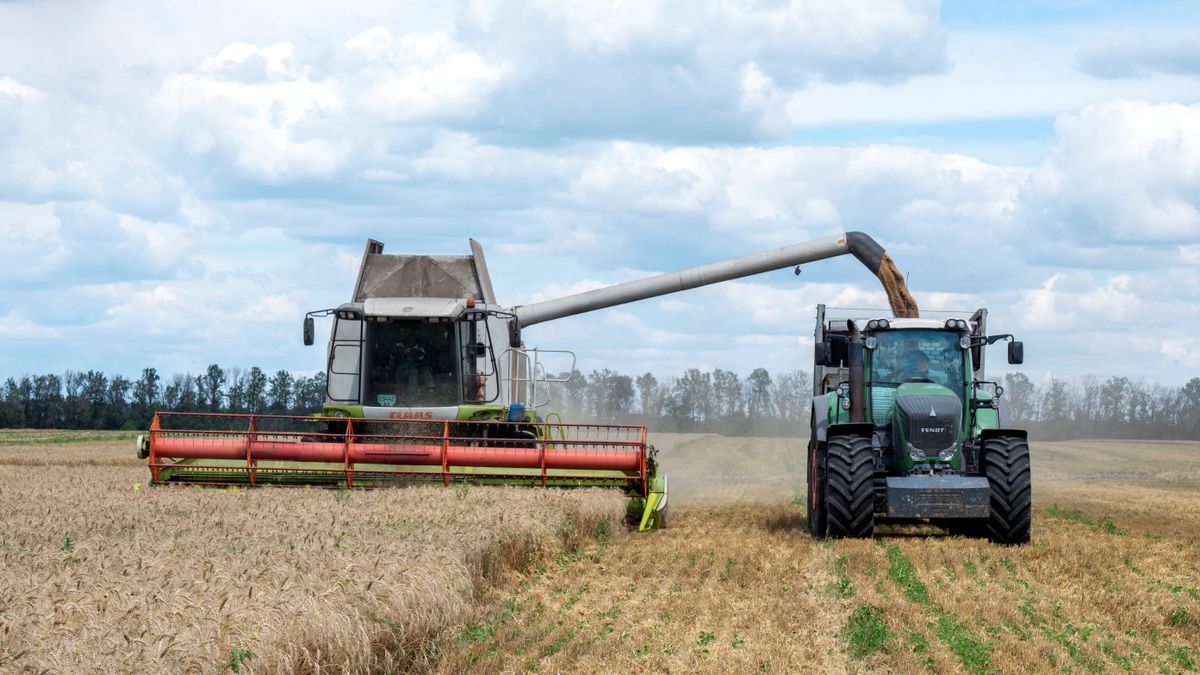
<point>429,380</point>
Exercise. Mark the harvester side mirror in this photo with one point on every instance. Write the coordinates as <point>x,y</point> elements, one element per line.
<point>514,333</point>
<point>309,331</point>
<point>1016,352</point>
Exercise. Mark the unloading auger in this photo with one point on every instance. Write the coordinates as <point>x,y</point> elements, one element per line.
<point>428,379</point>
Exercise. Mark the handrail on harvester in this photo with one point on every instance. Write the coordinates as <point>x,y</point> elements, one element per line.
<point>243,448</point>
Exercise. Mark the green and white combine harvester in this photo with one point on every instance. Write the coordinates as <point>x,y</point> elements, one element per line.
<point>430,380</point>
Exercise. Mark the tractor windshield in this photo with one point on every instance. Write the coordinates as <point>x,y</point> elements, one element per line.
<point>411,363</point>
<point>917,356</point>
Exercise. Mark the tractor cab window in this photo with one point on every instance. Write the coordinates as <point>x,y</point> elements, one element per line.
<point>917,356</point>
<point>412,363</point>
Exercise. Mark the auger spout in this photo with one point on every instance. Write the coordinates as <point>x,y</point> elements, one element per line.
<point>858,244</point>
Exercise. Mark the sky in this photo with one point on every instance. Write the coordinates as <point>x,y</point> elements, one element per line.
<point>180,182</point>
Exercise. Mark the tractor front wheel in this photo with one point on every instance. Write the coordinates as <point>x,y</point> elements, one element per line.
<point>1005,462</point>
<point>850,487</point>
<point>816,488</point>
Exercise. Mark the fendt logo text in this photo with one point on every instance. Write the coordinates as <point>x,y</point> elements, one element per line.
<point>933,430</point>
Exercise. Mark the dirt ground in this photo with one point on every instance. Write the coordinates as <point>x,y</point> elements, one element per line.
<point>1110,583</point>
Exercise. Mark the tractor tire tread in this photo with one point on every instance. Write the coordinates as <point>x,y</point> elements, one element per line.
<point>1005,462</point>
<point>849,488</point>
<point>815,515</point>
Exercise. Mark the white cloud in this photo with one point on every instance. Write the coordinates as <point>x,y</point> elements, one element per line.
<point>1183,351</point>
<point>836,40</point>
<point>1125,170</point>
<point>16,325</point>
<point>272,308</point>
<point>261,105</point>
<point>32,241</point>
<point>11,87</point>
<point>1190,254</point>
<point>1129,54</point>
<point>999,74</point>
<point>1068,301</point>
<point>423,76</point>
<point>558,290</point>
<point>672,305</point>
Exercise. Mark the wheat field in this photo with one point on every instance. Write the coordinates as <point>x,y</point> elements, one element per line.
<point>1111,582</point>
<point>100,573</point>
<point>104,574</point>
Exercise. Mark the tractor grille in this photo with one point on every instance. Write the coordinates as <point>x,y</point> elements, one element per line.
<point>882,401</point>
<point>930,433</point>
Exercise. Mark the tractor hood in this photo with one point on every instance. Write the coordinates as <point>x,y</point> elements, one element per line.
<point>927,419</point>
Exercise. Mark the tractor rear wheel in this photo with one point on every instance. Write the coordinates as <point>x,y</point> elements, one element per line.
<point>850,487</point>
<point>1005,462</point>
<point>816,488</point>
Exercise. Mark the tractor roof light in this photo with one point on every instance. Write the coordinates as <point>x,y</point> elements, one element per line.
<point>956,324</point>
<point>875,324</point>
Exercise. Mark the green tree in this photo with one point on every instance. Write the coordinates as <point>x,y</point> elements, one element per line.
<point>256,390</point>
<point>647,387</point>
<point>279,393</point>
<point>213,385</point>
<point>758,398</point>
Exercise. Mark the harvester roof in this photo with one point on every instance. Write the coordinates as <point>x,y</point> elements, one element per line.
<point>437,277</point>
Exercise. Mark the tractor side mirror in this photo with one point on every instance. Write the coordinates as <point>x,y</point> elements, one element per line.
<point>309,331</point>
<point>1016,352</point>
<point>823,354</point>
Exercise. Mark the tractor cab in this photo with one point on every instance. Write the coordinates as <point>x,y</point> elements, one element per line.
<point>917,371</point>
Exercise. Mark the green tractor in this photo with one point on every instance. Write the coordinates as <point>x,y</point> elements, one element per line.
<point>906,429</point>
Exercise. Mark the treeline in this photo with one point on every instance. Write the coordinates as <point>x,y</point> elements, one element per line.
<point>718,401</point>
<point>1118,407</point>
<point>763,404</point>
<point>93,400</point>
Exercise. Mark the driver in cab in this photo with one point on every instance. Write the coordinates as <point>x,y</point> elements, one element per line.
<point>913,365</point>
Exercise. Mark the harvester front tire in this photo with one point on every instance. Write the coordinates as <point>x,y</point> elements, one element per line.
<point>1005,462</point>
<point>849,487</point>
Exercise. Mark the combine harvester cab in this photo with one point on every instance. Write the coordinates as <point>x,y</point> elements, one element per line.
<point>905,428</point>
